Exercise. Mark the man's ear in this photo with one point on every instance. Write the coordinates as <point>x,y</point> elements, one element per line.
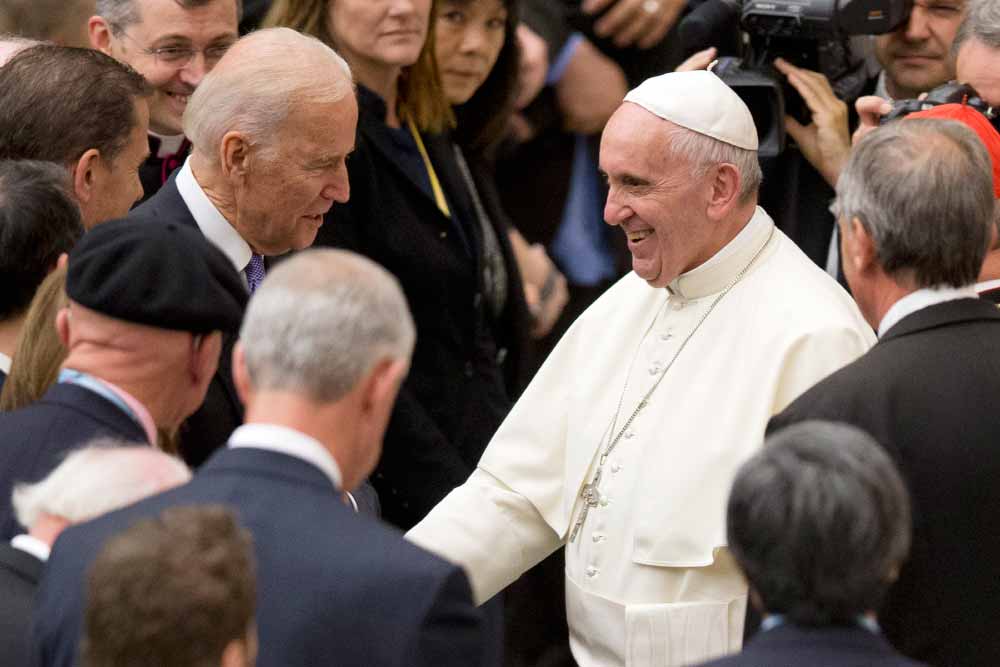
<point>236,654</point>
<point>724,194</point>
<point>234,155</point>
<point>241,376</point>
<point>382,384</point>
<point>100,34</point>
<point>859,246</point>
<point>84,176</point>
<point>205,351</point>
<point>63,325</point>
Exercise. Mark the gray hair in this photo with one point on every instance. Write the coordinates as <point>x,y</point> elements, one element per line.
<point>922,188</point>
<point>103,475</point>
<point>703,152</point>
<point>819,521</point>
<point>40,19</point>
<point>254,87</point>
<point>321,320</point>
<point>981,22</point>
<point>120,14</point>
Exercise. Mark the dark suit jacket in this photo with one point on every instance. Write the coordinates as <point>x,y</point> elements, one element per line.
<point>19,575</point>
<point>334,587</point>
<point>928,393</point>
<point>208,428</point>
<point>156,170</point>
<point>34,439</point>
<point>794,646</point>
<point>458,388</point>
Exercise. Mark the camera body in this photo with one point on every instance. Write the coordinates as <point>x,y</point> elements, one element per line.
<point>949,93</point>
<point>813,34</point>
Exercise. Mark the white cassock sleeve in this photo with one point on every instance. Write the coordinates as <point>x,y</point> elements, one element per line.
<point>493,532</point>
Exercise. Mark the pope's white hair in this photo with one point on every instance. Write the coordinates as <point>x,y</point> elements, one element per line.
<point>703,152</point>
<point>320,321</point>
<point>104,475</point>
<point>255,85</point>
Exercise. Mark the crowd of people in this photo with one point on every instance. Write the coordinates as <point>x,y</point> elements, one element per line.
<point>481,332</point>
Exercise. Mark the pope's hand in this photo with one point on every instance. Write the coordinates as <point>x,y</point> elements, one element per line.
<point>826,141</point>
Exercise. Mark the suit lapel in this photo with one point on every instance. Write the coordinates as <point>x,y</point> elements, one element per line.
<point>21,563</point>
<point>266,463</point>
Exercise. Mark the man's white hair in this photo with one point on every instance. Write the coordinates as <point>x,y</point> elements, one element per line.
<point>321,320</point>
<point>254,87</point>
<point>103,475</point>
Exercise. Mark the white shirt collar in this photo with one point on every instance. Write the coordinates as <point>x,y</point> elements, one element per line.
<point>32,545</point>
<point>288,441</point>
<point>922,298</point>
<point>169,144</point>
<point>212,223</point>
<point>882,87</point>
<point>987,285</point>
<point>5,363</point>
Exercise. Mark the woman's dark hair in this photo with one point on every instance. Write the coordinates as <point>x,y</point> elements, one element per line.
<point>482,120</point>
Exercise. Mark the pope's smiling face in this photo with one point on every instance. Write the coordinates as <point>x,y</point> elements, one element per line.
<point>656,199</point>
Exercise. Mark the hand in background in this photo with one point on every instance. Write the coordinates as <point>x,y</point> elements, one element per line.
<point>826,142</point>
<point>545,287</point>
<point>641,23</point>
<point>534,65</point>
<point>870,110</point>
<point>700,60</point>
<point>590,90</point>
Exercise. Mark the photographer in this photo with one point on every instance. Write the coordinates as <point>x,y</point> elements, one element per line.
<point>914,58</point>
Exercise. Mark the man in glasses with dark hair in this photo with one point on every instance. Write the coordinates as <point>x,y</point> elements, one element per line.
<point>173,43</point>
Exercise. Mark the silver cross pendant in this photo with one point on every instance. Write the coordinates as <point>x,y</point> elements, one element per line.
<point>591,497</point>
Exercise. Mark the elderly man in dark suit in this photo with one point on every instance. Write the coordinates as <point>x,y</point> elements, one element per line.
<point>819,522</point>
<point>272,126</point>
<point>147,305</point>
<point>324,347</point>
<point>915,206</point>
<point>100,477</point>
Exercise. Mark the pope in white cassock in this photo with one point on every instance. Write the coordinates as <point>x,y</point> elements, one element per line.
<point>623,447</point>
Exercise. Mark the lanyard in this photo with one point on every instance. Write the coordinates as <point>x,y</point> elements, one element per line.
<point>442,203</point>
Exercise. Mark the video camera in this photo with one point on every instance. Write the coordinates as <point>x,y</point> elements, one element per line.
<point>813,34</point>
<point>949,93</point>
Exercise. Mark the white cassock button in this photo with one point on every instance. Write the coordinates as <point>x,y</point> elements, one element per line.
<point>592,571</point>
<point>665,336</point>
<point>616,467</point>
<point>676,303</point>
<point>604,501</point>
<point>629,434</point>
<point>597,537</point>
<point>656,368</point>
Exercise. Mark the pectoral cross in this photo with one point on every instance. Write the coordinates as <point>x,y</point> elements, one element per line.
<point>591,497</point>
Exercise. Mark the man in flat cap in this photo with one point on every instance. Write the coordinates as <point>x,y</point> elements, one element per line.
<point>146,307</point>
<point>272,125</point>
<point>623,447</point>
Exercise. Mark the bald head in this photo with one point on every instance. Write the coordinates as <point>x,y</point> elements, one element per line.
<point>258,83</point>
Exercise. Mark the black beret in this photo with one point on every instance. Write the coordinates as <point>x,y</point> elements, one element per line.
<point>159,274</point>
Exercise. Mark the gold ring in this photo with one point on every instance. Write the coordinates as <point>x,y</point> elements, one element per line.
<point>651,6</point>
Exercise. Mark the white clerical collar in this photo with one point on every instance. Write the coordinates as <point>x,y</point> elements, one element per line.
<point>32,545</point>
<point>288,441</point>
<point>922,298</point>
<point>169,143</point>
<point>721,268</point>
<point>5,363</point>
<point>212,223</point>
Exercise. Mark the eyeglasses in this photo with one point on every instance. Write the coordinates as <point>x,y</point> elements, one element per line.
<point>179,57</point>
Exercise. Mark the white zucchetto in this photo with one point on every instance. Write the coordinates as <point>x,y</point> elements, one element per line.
<point>700,102</point>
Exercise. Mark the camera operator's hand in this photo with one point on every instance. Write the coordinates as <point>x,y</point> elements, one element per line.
<point>826,142</point>
<point>870,110</point>
<point>534,65</point>
<point>643,23</point>
<point>700,60</point>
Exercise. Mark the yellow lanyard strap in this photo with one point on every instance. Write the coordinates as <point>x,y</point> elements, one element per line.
<point>442,203</point>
